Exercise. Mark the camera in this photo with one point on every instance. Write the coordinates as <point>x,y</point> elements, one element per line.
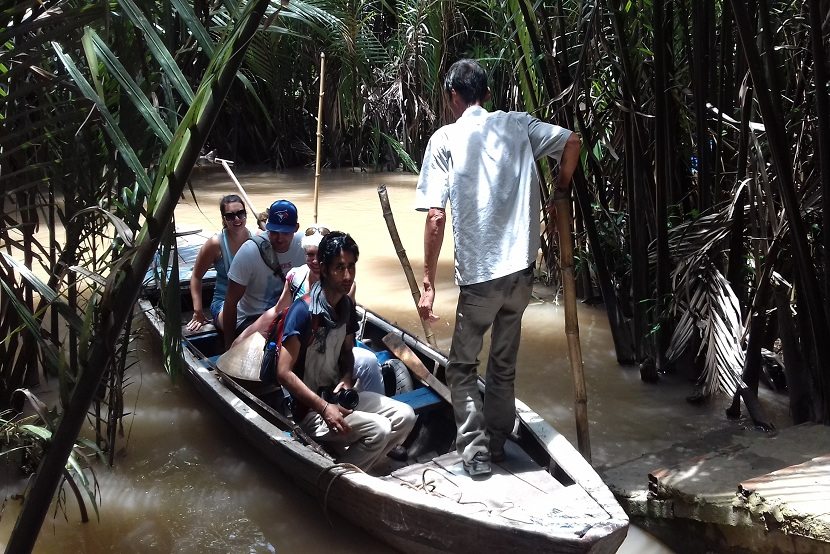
<point>348,398</point>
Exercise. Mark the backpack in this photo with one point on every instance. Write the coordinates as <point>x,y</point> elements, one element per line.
<point>273,344</point>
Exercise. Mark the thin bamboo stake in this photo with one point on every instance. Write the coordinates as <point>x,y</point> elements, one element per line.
<point>407,268</point>
<point>226,165</point>
<point>564,223</point>
<point>319,132</point>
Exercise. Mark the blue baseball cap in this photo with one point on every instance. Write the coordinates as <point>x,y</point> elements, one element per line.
<point>282,217</point>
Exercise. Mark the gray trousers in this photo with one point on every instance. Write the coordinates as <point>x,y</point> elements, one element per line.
<point>499,303</point>
<point>378,424</point>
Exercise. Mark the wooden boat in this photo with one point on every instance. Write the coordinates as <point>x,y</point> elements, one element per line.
<point>544,498</point>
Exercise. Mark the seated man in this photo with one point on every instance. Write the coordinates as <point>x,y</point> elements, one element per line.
<point>257,273</point>
<point>317,356</point>
<point>298,282</point>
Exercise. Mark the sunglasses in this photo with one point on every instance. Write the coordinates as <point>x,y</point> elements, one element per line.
<point>230,216</point>
<point>311,230</point>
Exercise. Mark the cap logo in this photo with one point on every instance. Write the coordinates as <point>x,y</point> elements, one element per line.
<point>281,215</point>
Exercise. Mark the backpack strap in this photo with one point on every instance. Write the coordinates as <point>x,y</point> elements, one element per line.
<point>275,330</point>
<point>295,289</point>
<point>266,251</point>
<point>276,334</point>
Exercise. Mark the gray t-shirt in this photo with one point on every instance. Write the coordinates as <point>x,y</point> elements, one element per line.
<point>262,287</point>
<point>484,165</point>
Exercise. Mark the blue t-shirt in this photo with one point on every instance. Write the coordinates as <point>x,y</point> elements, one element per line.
<point>298,322</point>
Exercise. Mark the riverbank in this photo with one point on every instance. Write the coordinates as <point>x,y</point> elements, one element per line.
<point>713,484</point>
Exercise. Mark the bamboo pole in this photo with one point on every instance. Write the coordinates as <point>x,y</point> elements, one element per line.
<point>407,267</point>
<point>564,223</point>
<point>242,193</point>
<point>319,132</point>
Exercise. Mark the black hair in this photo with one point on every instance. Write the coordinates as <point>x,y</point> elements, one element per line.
<point>229,199</point>
<point>333,244</point>
<point>468,79</point>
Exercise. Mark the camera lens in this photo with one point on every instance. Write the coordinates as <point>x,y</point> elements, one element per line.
<point>348,398</point>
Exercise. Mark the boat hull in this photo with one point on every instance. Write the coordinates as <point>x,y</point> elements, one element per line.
<point>411,520</point>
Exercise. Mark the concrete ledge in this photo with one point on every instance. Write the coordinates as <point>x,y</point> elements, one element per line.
<point>734,490</point>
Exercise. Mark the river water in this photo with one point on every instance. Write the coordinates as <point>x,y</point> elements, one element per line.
<point>185,482</point>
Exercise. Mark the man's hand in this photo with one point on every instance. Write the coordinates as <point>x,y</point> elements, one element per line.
<point>425,305</point>
<point>335,417</point>
<point>433,237</point>
<point>550,207</point>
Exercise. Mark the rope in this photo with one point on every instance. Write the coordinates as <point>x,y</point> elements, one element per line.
<point>346,468</point>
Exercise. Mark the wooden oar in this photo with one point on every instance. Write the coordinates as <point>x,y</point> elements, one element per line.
<point>407,267</point>
<point>564,222</point>
<point>398,347</point>
<point>242,193</point>
<point>319,131</point>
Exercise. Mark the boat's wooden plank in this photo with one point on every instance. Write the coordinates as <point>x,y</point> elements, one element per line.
<point>520,475</point>
<point>523,467</point>
<point>394,342</point>
<point>516,497</point>
<point>421,399</point>
<point>569,460</point>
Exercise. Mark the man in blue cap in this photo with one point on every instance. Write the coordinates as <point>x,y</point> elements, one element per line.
<point>257,274</point>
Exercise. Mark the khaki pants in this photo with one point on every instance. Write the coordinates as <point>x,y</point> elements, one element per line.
<point>499,303</point>
<point>378,424</point>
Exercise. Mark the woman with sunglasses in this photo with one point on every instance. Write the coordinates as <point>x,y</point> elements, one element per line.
<point>218,252</point>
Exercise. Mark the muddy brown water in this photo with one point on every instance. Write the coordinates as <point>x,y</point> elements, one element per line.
<point>184,481</point>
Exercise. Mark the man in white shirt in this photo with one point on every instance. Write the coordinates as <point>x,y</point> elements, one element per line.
<point>484,164</point>
<point>257,273</point>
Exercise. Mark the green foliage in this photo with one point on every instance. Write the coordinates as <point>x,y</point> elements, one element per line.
<point>25,438</point>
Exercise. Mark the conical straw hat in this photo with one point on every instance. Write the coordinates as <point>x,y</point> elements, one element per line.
<point>244,360</point>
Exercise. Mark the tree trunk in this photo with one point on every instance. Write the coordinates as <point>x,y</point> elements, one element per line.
<point>620,329</point>
<point>782,162</point>
<point>662,154</point>
<point>822,93</point>
<point>798,385</point>
<point>701,67</point>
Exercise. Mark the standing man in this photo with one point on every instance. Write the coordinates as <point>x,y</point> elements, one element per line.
<point>484,164</point>
<point>257,273</point>
<point>317,359</point>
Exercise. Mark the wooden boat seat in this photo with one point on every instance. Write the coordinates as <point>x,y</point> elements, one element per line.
<point>421,400</point>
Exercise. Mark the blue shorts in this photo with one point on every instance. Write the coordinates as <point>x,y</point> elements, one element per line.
<point>215,308</point>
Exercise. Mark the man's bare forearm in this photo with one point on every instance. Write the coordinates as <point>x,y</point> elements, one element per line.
<point>433,239</point>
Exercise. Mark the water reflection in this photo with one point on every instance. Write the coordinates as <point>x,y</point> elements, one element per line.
<point>186,482</point>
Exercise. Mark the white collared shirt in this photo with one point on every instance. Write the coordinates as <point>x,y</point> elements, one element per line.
<point>484,164</point>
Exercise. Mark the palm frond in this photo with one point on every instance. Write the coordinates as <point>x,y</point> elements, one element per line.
<point>162,56</point>
<point>710,311</point>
